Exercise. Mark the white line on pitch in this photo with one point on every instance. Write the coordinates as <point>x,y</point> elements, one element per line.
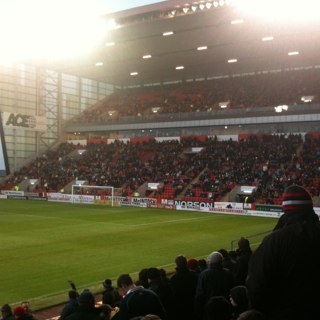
<point>167,221</point>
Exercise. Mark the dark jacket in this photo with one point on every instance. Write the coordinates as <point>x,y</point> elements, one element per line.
<point>164,291</point>
<point>184,284</point>
<point>70,307</point>
<point>85,313</point>
<point>240,268</point>
<point>285,270</point>
<point>111,297</point>
<point>140,302</point>
<point>215,281</point>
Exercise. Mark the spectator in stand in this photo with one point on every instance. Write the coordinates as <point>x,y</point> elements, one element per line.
<point>215,281</point>
<point>227,262</point>
<point>27,310</point>
<point>217,308</point>
<point>110,295</point>
<point>284,269</point>
<point>19,313</point>
<point>164,276</point>
<point>240,269</point>
<point>184,283</point>
<point>6,312</point>
<point>163,289</point>
<point>71,306</point>
<point>193,265</point>
<point>239,300</point>
<point>143,278</point>
<point>202,264</point>
<point>137,300</point>
<point>87,309</point>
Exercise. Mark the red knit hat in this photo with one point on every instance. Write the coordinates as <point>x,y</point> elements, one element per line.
<point>296,198</point>
<point>19,311</point>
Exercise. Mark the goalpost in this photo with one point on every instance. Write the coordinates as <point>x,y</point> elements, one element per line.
<point>93,194</point>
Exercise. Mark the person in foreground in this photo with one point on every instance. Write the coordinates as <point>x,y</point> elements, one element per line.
<point>215,281</point>
<point>137,300</point>
<point>285,268</point>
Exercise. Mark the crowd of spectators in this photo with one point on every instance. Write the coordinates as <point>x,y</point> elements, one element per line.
<point>260,90</point>
<point>228,285</point>
<point>274,282</point>
<point>268,162</point>
<point>182,295</point>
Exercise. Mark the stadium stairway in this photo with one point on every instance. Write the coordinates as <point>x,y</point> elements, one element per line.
<point>189,186</point>
<point>142,189</point>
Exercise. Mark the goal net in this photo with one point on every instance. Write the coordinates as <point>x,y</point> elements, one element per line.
<point>93,194</point>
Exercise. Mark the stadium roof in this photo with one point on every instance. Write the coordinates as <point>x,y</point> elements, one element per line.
<point>206,41</point>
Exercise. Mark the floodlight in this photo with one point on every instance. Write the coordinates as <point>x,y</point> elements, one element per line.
<point>221,3</point>
<point>216,4</point>
<point>201,6</point>
<point>202,48</point>
<point>167,33</point>
<point>179,67</point>
<point>134,73</point>
<point>194,8</point>
<point>147,56</point>
<point>293,53</point>
<point>268,38</point>
<point>237,21</point>
<point>232,60</point>
<point>99,64</point>
<point>185,10</point>
<point>208,5</point>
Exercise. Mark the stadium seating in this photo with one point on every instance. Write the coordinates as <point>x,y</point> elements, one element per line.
<point>268,162</point>
<point>269,89</point>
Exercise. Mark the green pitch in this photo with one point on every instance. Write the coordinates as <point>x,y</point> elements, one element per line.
<point>43,244</point>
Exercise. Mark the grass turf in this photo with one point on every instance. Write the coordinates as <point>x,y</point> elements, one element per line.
<point>43,244</point>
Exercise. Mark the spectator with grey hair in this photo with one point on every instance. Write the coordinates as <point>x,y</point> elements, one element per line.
<point>215,281</point>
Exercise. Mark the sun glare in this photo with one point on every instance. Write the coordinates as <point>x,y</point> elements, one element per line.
<point>46,29</point>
